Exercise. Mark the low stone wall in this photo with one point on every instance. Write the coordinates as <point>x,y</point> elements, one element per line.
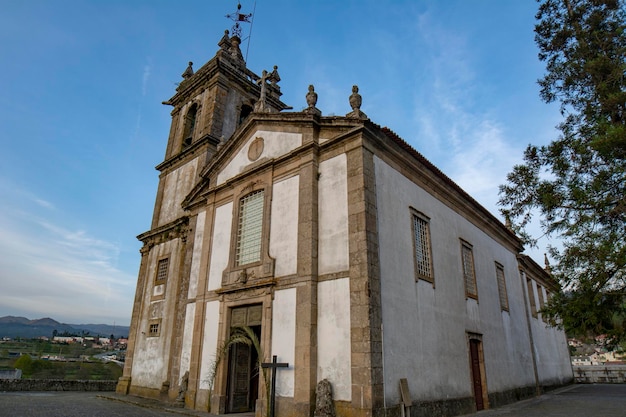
<point>600,374</point>
<point>55,385</point>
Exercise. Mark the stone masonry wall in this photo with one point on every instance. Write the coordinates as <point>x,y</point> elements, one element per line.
<point>606,374</point>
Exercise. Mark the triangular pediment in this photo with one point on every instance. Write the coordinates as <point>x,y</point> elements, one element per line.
<point>249,147</point>
<point>259,145</point>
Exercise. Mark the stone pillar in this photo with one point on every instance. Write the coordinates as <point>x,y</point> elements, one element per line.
<point>305,366</point>
<point>365,298</point>
<point>180,308</point>
<point>202,399</point>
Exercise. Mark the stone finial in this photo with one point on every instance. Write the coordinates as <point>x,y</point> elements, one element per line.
<point>355,98</point>
<point>324,406</point>
<point>188,72</point>
<point>224,43</point>
<point>311,101</point>
<point>311,96</point>
<point>355,103</point>
<point>547,264</point>
<point>274,78</point>
<point>507,221</point>
<point>234,50</point>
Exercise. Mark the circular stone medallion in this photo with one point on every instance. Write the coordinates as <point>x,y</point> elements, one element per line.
<point>256,148</point>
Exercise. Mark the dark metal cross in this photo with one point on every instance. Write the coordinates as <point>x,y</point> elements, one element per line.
<point>273,365</point>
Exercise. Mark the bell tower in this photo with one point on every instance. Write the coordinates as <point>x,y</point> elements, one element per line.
<point>208,107</point>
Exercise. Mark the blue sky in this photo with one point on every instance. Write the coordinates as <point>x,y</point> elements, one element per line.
<point>82,125</point>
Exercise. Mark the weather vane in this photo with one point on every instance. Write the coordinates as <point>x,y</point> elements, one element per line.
<point>238,17</point>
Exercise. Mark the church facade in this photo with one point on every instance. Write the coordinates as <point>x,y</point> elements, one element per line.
<point>340,250</point>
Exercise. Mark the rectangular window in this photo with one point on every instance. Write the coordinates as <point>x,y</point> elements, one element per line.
<point>540,295</point>
<point>162,268</point>
<point>154,328</point>
<point>469,276</point>
<point>422,250</point>
<point>546,300</point>
<point>542,301</point>
<point>250,228</point>
<point>531,297</point>
<point>504,301</point>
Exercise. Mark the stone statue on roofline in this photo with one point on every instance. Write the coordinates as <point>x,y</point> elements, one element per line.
<point>355,103</point>
<point>188,72</point>
<point>311,101</point>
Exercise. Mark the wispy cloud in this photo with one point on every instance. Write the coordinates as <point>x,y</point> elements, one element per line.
<point>145,77</point>
<point>147,70</point>
<point>455,128</point>
<point>7,187</point>
<point>49,269</point>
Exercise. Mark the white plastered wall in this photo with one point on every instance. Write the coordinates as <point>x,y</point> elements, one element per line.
<point>275,144</point>
<point>284,339</point>
<point>209,343</point>
<point>333,336</point>
<point>185,354</point>
<point>284,226</point>
<point>196,255</point>
<point>424,326</point>
<point>150,361</point>
<point>177,185</point>
<point>552,354</point>
<point>220,246</point>
<point>333,215</point>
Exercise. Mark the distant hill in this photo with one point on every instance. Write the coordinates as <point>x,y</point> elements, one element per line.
<point>11,326</point>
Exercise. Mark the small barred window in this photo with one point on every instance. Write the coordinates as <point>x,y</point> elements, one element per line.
<point>469,275</point>
<point>154,328</point>
<point>422,251</point>
<point>504,301</point>
<point>162,268</point>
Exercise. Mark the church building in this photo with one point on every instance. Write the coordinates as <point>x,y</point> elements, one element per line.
<point>331,244</point>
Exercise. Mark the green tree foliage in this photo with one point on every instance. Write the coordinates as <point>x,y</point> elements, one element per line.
<point>25,363</point>
<point>577,183</point>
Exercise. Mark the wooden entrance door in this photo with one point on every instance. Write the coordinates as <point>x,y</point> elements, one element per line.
<point>477,379</point>
<point>240,377</point>
<point>243,376</point>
